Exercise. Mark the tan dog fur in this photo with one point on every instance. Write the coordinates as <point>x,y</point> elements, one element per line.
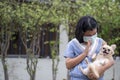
<point>101,59</point>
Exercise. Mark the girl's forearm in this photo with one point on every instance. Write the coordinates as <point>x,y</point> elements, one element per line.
<point>105,67</point>
<point>71,62</point>
<point>108,65</point>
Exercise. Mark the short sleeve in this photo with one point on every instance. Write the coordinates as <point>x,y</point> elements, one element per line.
<point>69,52</point>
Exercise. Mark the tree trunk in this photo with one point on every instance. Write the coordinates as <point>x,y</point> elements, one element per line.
<point>5,68</point>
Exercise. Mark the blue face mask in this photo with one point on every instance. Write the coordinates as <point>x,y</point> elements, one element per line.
<point>91,38</point>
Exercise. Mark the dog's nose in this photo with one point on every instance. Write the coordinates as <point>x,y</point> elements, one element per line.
<point>105,51</point>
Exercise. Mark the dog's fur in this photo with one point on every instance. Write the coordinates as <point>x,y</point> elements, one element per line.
<point>101,59</point>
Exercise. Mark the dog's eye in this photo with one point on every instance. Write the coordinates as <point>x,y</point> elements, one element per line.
<point>104,48</point>
<point>108,49</point>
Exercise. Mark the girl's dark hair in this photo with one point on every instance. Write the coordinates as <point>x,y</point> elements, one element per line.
<point>84,24</point>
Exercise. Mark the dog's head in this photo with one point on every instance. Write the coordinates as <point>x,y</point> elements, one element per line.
<point>108,50</point>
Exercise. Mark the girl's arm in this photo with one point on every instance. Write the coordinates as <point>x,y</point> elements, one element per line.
<point>72,62</point>
<point>102,69</point>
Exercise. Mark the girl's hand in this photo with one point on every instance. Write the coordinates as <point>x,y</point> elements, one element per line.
<point>87,47</point>
<point>91,76</point>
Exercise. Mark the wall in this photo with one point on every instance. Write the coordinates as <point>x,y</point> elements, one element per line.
<point>17,66</point>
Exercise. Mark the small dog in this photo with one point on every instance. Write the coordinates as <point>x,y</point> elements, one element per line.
<point>101,59</point>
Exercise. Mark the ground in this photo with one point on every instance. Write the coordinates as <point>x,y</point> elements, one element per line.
<point>17,70</point>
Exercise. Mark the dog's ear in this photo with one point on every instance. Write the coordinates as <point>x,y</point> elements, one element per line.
<point>113,46</point>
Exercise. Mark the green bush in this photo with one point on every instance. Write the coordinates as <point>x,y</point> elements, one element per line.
<point>24,15</point>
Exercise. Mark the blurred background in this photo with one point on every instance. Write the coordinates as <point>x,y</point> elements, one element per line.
<point>34,34</point>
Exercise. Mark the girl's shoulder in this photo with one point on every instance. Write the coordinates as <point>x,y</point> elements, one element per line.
<point>102,41</point>
<point>72,41</point>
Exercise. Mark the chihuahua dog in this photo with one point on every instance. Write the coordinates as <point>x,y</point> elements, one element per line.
<point>101,59</point>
